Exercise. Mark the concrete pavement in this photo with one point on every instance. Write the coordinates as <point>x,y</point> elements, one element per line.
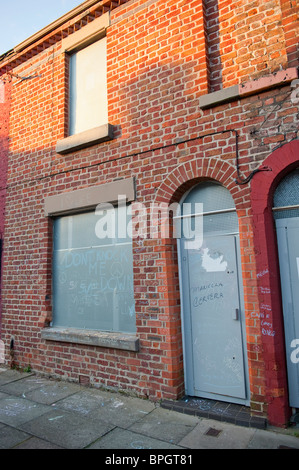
<point>40,413</point>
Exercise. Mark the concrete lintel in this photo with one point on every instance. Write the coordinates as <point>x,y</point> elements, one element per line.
<point>124,341</point>
<point>89,198</point>
<point>85,139</point>
<point>219,97</point>
<point>85,36</point>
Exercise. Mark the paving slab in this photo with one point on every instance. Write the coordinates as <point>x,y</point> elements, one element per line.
<point>69,416</point>
<point>168,426</point>
<point>11,375</point>
<point>34,443</point>
<point>125,439</point>
<point>15,410</point>
<point>52,391</point>
<point>10,437</point>
<point>22,386</point>
<point>210,434</point>
<point>66,429</point>
<point>114,409</point>
<point>273,440</point>
<point>84,402</point>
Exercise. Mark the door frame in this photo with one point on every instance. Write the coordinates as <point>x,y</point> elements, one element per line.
<point>188,359</point>
<point>288,317</point>
<point>263,186</point>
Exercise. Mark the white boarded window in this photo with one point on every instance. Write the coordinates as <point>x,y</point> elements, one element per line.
<point>92,275</point>
<point>88,88</point>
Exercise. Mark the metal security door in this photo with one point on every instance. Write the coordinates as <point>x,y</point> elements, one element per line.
<point>211,299</point>
<point>288,249</point>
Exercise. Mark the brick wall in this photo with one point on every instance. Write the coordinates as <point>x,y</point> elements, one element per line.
<point>248,39</point>
<point>4,147</point>
<point>162,57</point>
<point>4,144</point>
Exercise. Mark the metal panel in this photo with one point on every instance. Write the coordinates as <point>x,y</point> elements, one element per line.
<point>92,278</point>
<point>288,248</point>
<point>212,308</point>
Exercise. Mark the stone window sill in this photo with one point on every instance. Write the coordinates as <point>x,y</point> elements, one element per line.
<point>252,87</point>
<point>85,139</point>
<point>124,341</point>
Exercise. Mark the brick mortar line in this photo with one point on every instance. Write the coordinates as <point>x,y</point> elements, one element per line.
<point>131,12</point>
<point>137,154</point>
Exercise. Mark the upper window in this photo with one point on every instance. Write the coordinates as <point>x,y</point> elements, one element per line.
<point>88,88</point>
<point>86,52</point>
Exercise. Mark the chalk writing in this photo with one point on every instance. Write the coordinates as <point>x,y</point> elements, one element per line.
<point>94,260</point>
<point>211,285</point>
<point>94,288</point>
<point>266,307</point>
<point>266,324</point>
<point>139,445</point>
<point>268,332</point>
<point>14,407</point>
<point>256,315</point>
<point>265,290</point>
<point>262,273</point>
<point>197,301</point>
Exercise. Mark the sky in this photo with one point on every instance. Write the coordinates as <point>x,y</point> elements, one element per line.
<point>20,19</point>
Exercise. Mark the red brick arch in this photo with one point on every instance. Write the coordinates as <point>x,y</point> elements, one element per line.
<point>180,180</point>
<point>281,162</point>
<point>266,356</point>
<point>190,173</point>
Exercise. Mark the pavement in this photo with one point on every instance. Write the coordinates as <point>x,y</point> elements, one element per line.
<point>40,413</point>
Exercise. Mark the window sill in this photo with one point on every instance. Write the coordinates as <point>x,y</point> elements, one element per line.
<point>85,139</point>
<point>125,341</point>
<point>252,87</point>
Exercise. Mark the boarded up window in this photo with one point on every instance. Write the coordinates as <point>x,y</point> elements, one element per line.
<point>88,88</point>
<point>92,276</point>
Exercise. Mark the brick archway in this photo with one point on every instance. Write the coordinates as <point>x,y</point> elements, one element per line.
<point>261,279</point>
<point>189,173</point>
<point>281,162</point>
<point>176,184</point>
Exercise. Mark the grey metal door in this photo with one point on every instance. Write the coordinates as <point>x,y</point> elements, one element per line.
<point>214,361</point>
<point>288,249</point>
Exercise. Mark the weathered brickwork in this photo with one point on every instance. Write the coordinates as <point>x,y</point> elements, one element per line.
<point>162,57</point>
<point>5,88</point>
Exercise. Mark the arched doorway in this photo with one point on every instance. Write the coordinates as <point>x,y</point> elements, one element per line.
<point>271,346</point>
<point>213,322</point>
<point>286,215</point>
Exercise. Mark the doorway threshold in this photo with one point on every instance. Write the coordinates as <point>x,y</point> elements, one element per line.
<point>217,410</point>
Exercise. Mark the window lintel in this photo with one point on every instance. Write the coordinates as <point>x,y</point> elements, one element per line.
<point>87,35</point>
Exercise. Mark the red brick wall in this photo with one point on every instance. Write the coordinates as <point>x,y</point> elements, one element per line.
<point>4,145</point>
<point>251,38</point>
<point>160,61</point>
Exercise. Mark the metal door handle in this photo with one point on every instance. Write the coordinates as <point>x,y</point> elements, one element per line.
<point>236,314</point>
